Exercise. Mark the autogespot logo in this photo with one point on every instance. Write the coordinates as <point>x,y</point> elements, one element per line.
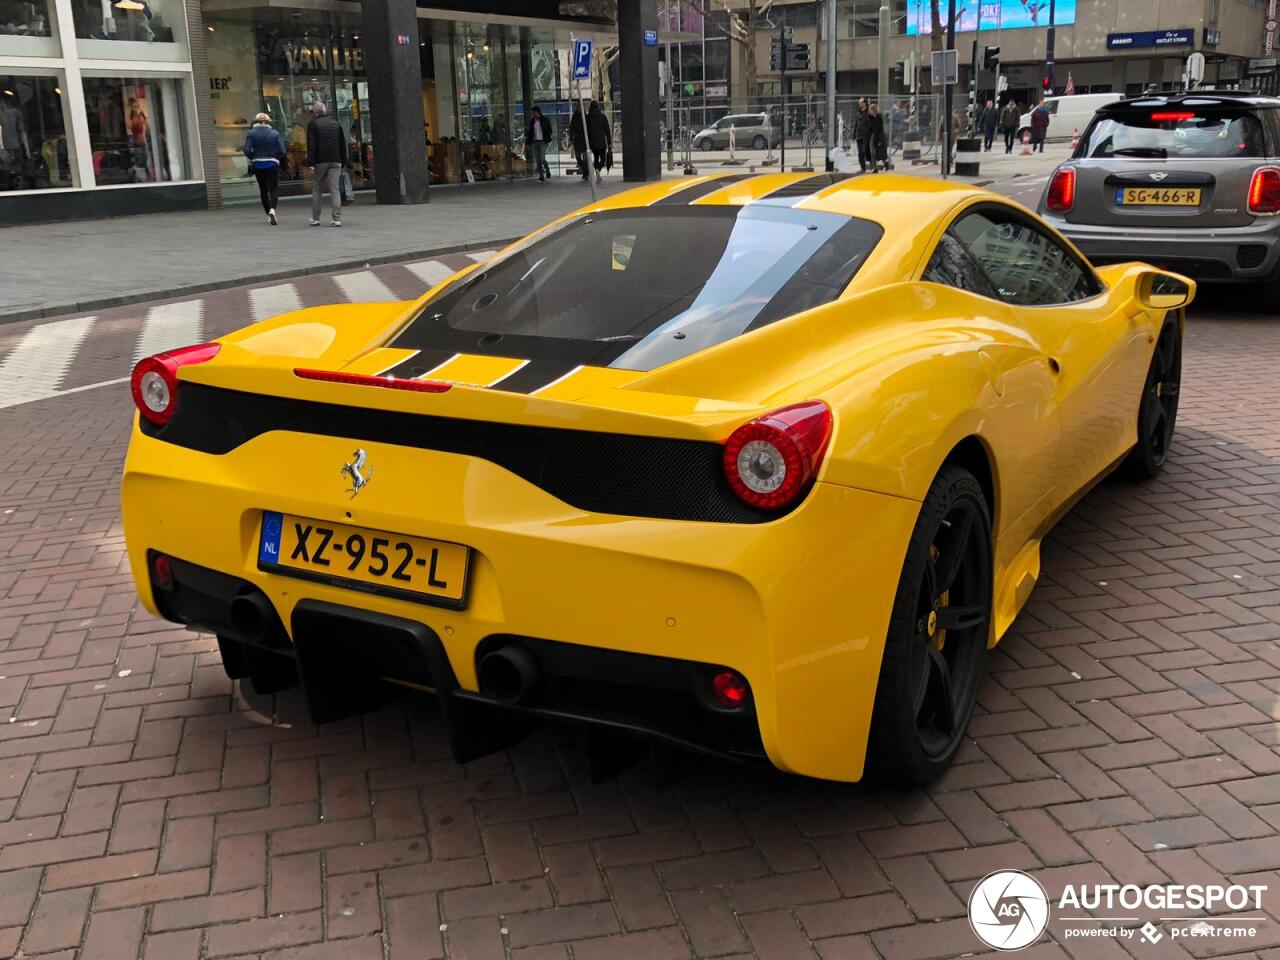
<point>1008,910</point>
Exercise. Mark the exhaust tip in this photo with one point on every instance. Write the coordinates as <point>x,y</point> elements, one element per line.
<point>251,613</point>
<point>508,674</point>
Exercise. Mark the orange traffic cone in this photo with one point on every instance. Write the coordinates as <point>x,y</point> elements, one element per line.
<point>1026,143</point>
<point>1075,139</point>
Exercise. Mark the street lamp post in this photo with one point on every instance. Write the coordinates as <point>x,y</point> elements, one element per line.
<point>1048,49</point>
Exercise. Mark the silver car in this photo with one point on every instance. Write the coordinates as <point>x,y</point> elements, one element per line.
<point>749,130</point>
<point>1190,182</point>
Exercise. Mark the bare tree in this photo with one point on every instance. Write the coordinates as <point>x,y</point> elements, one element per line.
<point>740,20</point>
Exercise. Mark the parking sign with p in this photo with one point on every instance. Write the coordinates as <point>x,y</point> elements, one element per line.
<point>581,59</point>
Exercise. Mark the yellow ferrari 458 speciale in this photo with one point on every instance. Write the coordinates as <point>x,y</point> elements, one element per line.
<point>757,466</point>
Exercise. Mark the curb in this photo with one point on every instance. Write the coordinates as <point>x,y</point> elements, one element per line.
<point>266,276</point>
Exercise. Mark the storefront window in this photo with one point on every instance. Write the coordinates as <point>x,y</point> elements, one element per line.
<point>24,18</point>
<point>33,134</point>
<point>140,21</point>
<point>135,129</point>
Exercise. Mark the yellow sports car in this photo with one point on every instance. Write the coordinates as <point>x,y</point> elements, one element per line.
<point>753,465</point>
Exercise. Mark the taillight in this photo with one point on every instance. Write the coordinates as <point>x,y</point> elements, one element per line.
<point>1062,190</point>
<point>1172,116</point>
<point>1264,191</point>
<point>155,379</point>
<point>729,688</point>
<point>771,461</point>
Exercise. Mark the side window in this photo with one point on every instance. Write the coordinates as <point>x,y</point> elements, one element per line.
<point>954,266</point>
<point>1053,106</point>
<point>1023,264</point>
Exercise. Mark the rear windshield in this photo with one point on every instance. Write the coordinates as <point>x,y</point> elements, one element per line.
<point>1165,132</point>
<point>638,288</point>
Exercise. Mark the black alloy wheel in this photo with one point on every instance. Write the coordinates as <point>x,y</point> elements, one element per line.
<point>1158,410</point>
<point>937,644</point>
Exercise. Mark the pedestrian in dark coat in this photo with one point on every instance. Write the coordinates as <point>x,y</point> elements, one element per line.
<point>1039,126</point>
<point>989,121</point>
<point>879,143</point>
<point>1009,118</point>
<point>538,136</point>
<point>578,140</point>
<point>862,135</point>
<point>327,153</point>
<point>599,138</point>
<point>266,150</point>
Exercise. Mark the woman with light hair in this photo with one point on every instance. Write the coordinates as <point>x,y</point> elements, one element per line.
<point>266,150</point>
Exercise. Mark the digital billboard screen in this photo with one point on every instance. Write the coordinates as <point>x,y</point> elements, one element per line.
<point>1002,15</point>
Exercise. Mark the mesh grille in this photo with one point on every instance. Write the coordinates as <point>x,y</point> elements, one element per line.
<point>599,472</point>
<point>1249,255</point>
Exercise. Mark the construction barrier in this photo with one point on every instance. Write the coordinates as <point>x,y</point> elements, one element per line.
<point>911,145</point>
<point>968,156</point>
<point>1026,143</point>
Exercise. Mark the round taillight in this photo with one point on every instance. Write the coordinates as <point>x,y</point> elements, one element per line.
<point>771,461</point>
<point>729,688</point>
<point>162,571</point>
<point>155,379</point>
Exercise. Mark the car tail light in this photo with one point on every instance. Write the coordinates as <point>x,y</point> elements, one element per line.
<point>729,688</point>
<point>771,461</point>
<point>1264,190</point>
<point>1174,116</point>
<point>155,379</point>
<point>369,380</point>
<point>1062,190</point>
<point>162,571</point>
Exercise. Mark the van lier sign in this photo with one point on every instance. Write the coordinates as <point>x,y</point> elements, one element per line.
<point>1150,38</point>
<point>312,58</point>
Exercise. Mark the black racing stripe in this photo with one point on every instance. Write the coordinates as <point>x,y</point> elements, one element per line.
<point>806,187</point>
<point>415,366</point>
<point>700,190</point>
<point>534,375</point>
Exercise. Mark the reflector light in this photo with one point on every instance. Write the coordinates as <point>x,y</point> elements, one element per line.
<point>1264,191</point>
<point>154,382</point>
<point>729,688</point>
<point>1174,115</point>
<point>1062,190</point>
<point>771,461</point>
<point>162,571</point>
<point>368,380</point>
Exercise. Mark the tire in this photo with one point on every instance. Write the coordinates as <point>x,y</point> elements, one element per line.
<point>1158,409</point>
<point>759,142</point>
<point>936,649</point>
<point>703,144</point>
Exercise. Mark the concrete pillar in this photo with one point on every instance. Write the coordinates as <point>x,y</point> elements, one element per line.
<point>390,42</point>
<point>638,67</point>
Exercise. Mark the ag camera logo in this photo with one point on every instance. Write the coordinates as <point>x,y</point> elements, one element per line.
<point>1008,910</point>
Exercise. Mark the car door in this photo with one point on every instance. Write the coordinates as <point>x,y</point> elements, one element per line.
<point>1022,422</point>
<point>1095,350</point>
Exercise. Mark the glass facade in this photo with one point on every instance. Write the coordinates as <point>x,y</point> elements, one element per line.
<point>99,99</point>
<point>479,84</point>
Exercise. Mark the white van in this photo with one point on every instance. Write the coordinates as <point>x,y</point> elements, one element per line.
<point>1069,114</point>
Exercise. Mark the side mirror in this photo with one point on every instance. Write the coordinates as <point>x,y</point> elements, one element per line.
<point>1164,291</point>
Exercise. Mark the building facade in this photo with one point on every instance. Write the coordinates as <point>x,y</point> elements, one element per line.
<point>1103,45</point>
<point>111,107</point>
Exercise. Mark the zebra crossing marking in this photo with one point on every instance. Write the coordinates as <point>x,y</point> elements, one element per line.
<point>363,287</point>
<point>170,325</point>
<point>430,272</point>
<point>36,367</point>
<point>274,300</point>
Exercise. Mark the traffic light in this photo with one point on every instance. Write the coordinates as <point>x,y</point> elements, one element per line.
<point>991,58</point>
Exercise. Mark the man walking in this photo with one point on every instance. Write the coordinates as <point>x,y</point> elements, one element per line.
<point>990,118</point>
<point>327,153</point>
<point>578,141</point>
<point>1009,118</point>
<point>539,136</point>
<point>599,138</point>
<point>862,135</point>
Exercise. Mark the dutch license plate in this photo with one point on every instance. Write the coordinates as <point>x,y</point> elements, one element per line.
<point>375,561</point>
<point>1158,196</point>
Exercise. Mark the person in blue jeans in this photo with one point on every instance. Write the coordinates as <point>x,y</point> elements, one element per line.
<point>266,151</point>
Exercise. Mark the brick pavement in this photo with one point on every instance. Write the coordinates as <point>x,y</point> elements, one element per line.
<point>1128,730</point>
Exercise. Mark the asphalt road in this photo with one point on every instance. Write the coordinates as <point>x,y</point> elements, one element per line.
<point>1128,730</point>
